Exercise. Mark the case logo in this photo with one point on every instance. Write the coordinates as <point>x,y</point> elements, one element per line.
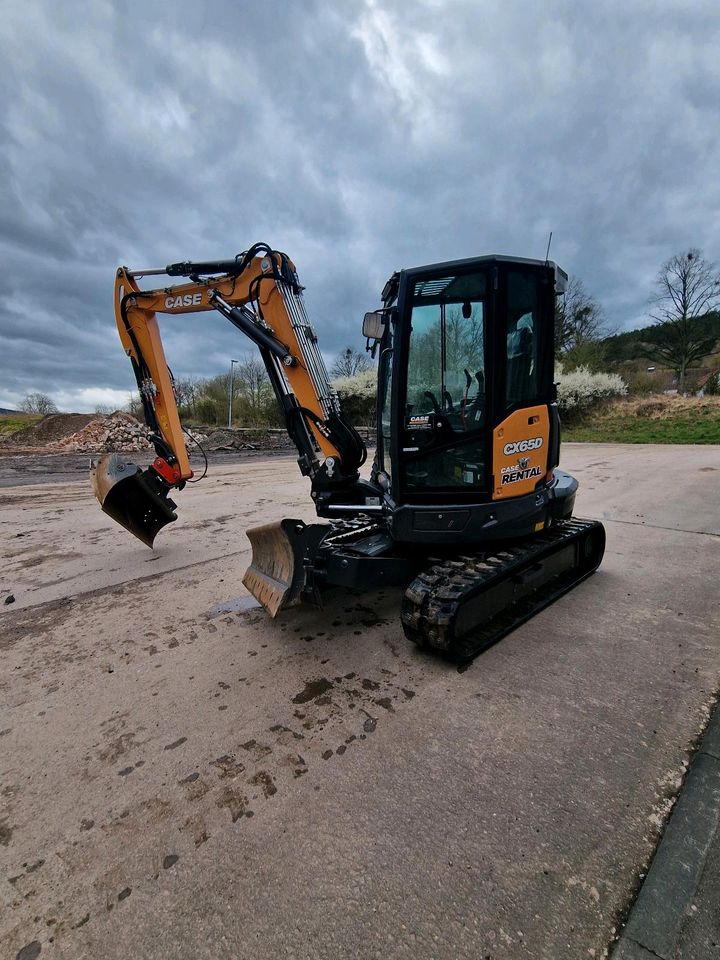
<point>186,300</point>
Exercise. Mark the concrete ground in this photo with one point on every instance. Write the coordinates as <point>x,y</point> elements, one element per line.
<point>675,914</point>
<point>181,777</point>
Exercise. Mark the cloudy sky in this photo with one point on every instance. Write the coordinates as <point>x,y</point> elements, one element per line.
<point>360,136</point>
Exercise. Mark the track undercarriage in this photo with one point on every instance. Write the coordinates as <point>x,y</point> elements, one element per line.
<point>460,607</point>
<point>455,604</point>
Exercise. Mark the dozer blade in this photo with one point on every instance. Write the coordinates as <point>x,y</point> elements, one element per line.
<point>277,572</point>
<point>137,499</point>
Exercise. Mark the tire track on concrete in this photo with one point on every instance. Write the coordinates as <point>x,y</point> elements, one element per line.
<point>152,803</point>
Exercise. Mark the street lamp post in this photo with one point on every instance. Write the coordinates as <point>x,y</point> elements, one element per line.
<point>230,392</point>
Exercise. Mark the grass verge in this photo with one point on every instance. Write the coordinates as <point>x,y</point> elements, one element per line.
<point>649,420</point>
<point>11,423</point>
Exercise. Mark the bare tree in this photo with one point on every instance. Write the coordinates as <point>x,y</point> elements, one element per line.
<point>350,362</point>
<point>251,381</point>
<point>253,398</point>
<point>38,403</point>
<point>578,319</point>
<point>211,405</point>
<point>187,390</point>
<point>687,288</point>
<point>134,405</point>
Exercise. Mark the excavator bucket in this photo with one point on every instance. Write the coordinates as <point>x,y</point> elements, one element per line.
<point>137,499</point>
<point>281,554</point>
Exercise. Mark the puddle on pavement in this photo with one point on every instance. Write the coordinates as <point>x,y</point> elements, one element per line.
<point>238,605</point>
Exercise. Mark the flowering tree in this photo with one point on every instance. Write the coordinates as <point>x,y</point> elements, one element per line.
<point>580,389</point>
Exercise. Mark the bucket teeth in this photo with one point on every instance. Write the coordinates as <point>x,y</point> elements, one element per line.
<point>136,499</point>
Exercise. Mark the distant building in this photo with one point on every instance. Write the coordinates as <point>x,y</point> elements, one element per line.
<point>702,381</point>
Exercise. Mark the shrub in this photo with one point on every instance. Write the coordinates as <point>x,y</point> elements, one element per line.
<point>712,387</point>
<point>640,383</point>
<point>580,389</point>
<point>357,395</point>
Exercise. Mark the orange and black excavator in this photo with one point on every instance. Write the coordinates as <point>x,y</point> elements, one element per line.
<point>465,505</point>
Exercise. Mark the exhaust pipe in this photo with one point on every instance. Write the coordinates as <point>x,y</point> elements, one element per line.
<point>136,499</point>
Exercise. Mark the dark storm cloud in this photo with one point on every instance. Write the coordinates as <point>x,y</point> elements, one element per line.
<point>359,137</point>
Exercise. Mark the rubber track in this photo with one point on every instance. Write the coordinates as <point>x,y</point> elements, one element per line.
<point>434,600</point>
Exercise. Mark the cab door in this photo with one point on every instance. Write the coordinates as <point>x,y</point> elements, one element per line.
<point>443,445</point>
<point>521,444</point>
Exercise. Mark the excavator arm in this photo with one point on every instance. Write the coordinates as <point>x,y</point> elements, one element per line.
<point>260,294</point>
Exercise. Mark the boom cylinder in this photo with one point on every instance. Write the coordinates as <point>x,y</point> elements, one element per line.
<point>244,320</point>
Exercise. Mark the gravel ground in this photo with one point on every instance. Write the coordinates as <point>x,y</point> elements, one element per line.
<point>21,469</point>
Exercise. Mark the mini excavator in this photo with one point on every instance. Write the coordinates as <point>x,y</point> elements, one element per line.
<point>465,506</point>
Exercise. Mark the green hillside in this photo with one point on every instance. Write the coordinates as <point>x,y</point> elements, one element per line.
<point>637,344</point>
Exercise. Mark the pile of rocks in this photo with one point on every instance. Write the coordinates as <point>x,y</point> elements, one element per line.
<point>42,434</point>
<point>106,434</point>
<point>121,432</point>
<point>247,438</point>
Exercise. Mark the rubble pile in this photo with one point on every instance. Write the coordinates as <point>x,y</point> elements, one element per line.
<point>45,432</point>
<point>94,433</point>
<point>105,434</point>
<point>261,438</point>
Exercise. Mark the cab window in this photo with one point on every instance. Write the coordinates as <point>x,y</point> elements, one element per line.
<point>523,338</point>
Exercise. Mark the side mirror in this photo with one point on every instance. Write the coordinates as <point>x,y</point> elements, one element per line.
<point>373,326</point>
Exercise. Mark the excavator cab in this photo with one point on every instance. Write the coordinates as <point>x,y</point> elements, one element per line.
<point>467,413</point>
